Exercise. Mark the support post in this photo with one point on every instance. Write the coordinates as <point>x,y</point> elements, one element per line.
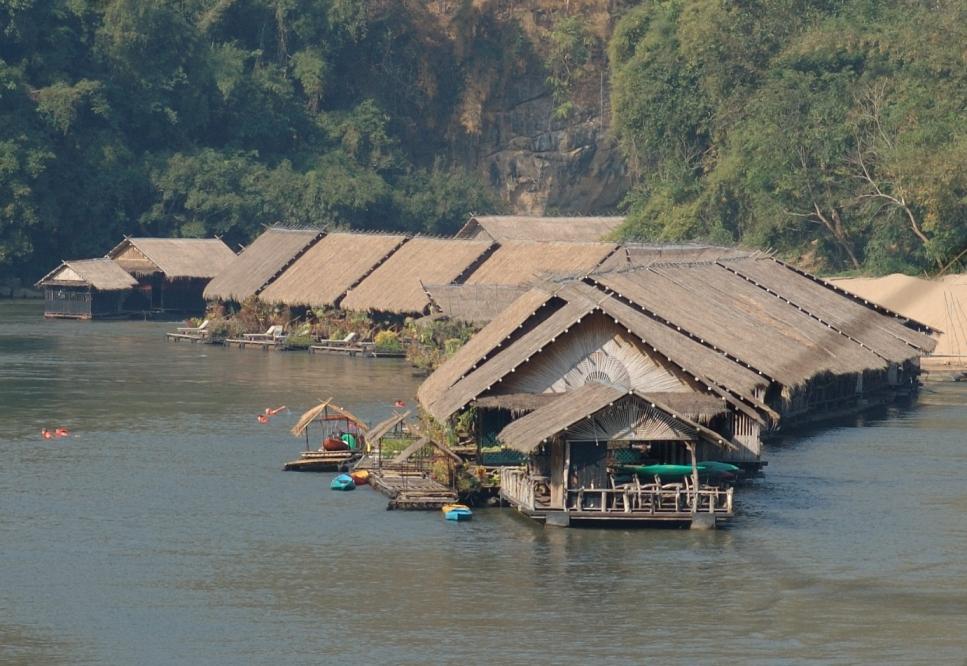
<point>691,451</point>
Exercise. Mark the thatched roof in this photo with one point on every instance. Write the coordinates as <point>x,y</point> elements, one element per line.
<point>521,262</point>
<point>504,228</point>
<point>376,433</point>
<point>397,285</point>
<point>890,336</point>
<point>322,410</point>
<point>643,254</point>
<point>487,341</point>
<point>473,303</point>
<point>101,274</point>
<point>330,268</point>
<point>710,325</point>
<point>175,257</point>
<point>260,263</point>
<point>517,402</point>
<point>583,403</point>
<point>753,326</point>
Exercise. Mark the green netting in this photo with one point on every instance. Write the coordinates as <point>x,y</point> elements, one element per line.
<point>626,456</point>
<point>502,457</point>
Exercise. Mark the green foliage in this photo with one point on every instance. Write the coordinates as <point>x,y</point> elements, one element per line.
<point>199,118</point>
<point>571,45</point>
<point>832,132</point>
<point>388,341</point>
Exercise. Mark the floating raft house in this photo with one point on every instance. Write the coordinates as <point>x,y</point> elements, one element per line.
<point>172,272</point>
<point>86,289</point>
<point>700,356</point>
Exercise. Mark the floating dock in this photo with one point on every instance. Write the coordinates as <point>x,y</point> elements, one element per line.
<point>411,491</point>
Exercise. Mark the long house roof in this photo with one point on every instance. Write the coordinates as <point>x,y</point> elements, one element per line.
<point>522,262</point>
<point>175,257</point>
<point>323,275</point>
<point>260,263</point>
<point>504,228</point>
<point>706,317</point>
<point>397,285</point>
<point>101,274</point>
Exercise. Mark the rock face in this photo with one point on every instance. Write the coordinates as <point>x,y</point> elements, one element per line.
<point>539,164</point>
<point>506,128</point>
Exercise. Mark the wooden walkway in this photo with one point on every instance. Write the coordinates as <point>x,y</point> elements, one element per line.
<point>411,491</point>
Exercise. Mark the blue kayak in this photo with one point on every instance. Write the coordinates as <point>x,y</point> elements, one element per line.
<point>457,512</point>
<point>343,482</point>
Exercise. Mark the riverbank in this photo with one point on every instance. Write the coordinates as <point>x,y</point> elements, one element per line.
<point>941,304</point>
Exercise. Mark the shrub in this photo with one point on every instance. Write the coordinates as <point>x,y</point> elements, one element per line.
<point>388,341</point>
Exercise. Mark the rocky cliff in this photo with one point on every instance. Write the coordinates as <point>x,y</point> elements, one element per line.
<point>544,150</point>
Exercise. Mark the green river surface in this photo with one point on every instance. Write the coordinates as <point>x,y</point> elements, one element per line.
<point>165,532</point>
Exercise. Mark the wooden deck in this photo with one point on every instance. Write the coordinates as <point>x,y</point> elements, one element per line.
<point>322,461</point>
<point>354,350</point>
<point>190,337</point>
<point>264,345</point>
<point>411,490</point>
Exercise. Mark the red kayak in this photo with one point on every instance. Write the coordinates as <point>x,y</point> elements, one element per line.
<point>335,444</point>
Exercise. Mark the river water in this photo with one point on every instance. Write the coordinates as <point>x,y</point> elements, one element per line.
<point>165,532</point>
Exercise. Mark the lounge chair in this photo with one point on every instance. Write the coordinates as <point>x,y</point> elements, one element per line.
<point>272,334</point>
<point>345,342</point>
<point>194,330</point>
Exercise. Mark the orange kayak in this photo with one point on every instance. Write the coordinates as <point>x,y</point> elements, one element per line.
<point>361,477</point>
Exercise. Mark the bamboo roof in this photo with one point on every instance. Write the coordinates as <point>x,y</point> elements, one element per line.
<point>329,269</point>
<point>397,284</point>
<point>321,409</point>
<point>516,402</point>
<point>731,314</point>
<point>528,432</point>
<point>643,254</point>
<point>260,263</point>
<point>504,228</point>
<point>101,274</point>
<point>521,262</point>
<point>175,257</point>
<point>731,324</point>
<point>890,336</point>
<point>487,341</point>
<point>473,303</point>
<point>377,432</point>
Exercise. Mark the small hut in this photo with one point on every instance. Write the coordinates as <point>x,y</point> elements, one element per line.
<point>473,303</point>
<point>508,228</point>
<point>260,263</point>
<point>341,435</point>
<point>397,285</point>
<point>172,272</point>
<point>324,274</point>
<point>86,289</point>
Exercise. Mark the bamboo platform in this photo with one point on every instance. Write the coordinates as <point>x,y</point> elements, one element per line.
<point>411,491</point>
<point>322,461</point>
<point>264,345</point>
<point>356,350</point>
<point>190,337</point>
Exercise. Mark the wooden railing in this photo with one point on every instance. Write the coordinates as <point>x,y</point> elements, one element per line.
<point>672,498</point>
<point>517,486</point>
